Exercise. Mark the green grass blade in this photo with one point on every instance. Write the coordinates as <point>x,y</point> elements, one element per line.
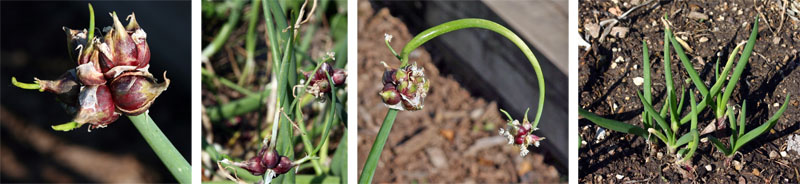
<point>648,95</point>
<point>250,43</point>
<point>720,146</point>
<point>377,147</point>
<point>733,126</point>
<point>748,49</point>
<point>237,107</point>
<point>660,120</point>
<point>685,138</point>
<point>688,65</point>
<point>741,118</point>
<point>226,30</point>
<point>339,162</point>
<point>761,129</point>
<point>612,124</point>
<point>693,129</point>
<point>164,149</point>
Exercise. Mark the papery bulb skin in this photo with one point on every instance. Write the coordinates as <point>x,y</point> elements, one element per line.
<point>140,39</point>
<point>388,76</point>
<point>284,165</point>
<point>339,76</point>
<point>96,107</point>
<point>76,42</point>
<point>134,91</point>
<point>270,159</point>
<point>66,87</point>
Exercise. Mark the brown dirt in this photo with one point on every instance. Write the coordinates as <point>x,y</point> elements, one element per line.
<point>768,78</point>
<point>451,122</point>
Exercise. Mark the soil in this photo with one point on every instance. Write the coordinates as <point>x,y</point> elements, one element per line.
<point>431,145</point>
<point>606,89</point>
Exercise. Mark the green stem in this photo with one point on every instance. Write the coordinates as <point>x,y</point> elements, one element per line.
<point>170,156</point>
<point>433,32</point>
<point>227,83</point>
<point>238,107</point>
<point>34,85</point>
<point>225,31</point>
<point>91,24</point>
<point>250,43</point>
<point>377,147</point>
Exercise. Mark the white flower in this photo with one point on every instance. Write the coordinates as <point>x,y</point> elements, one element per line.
<point>523,151</point>
<point>387,37</point>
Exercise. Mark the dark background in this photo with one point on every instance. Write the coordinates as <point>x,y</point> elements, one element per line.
<point>32,44</point>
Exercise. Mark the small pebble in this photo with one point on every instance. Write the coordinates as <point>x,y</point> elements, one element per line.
<point>776,40</point>
<point>619,32</point>
<point>698,15</point>
<point>638,81</point>
<point>619,177</point>
<point>593,29</point>
<point>708,167</point>
<point>635,67</point>
<point>776,105</point>
<point>737,165</point>
<point>773,154</point>
<point>601,134</point>
<point>613,65</point>
<point>659,155</point>
<point>703,39</point>
<point>619,59</point>
<point>783,153</point>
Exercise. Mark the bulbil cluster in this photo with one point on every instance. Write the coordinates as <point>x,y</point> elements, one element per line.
<point>266,159</point>
<point>521,134</point>
<point>404,88</point>
<point>318,83</point>
<point>111,78</point>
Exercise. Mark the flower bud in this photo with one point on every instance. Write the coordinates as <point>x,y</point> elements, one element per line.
<point>96,107</point>
<point>270,159</point>
<point>339,75</point>
<point>134,91</point>
<point>284,165</point>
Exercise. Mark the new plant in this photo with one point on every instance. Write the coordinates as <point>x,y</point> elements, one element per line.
<point>738,136</point>
<point>112,79</point>
<point>406,87</point>
<point>665,124</point>
<point>296,80</point>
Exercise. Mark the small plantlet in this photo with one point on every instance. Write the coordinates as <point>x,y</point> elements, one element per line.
<point>738,136</point>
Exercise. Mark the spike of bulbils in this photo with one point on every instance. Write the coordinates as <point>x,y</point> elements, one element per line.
<point>266,159</point>
<point>404,88</point>
<point>521,134</point>
<point>319,83</point>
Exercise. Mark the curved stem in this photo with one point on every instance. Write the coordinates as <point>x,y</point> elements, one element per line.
<point>433,32</point>
<point>170,156</point>
<point>91,24</point>
<point>377,147</point>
